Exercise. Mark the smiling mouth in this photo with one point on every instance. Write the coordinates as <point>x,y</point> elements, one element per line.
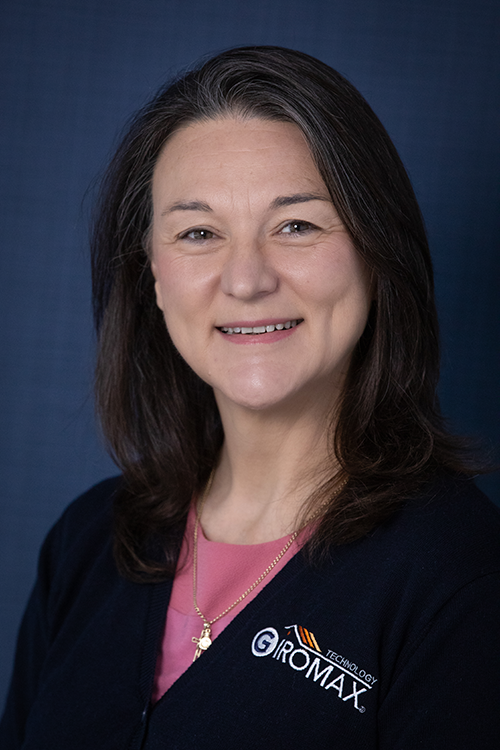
<point>262,329</point>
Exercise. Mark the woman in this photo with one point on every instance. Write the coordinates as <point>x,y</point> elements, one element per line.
<point>299,556</point>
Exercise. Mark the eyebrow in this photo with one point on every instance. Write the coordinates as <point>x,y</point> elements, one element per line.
<point>187,206</point>
<point>280,202</point>
<point>290,200</point>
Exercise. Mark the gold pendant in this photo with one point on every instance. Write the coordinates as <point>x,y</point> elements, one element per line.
<point>203,642</point>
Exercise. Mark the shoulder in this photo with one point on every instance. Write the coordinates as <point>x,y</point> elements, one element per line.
<point>92,506</point>
<point>438,554</point>
<point>439,619</point>
<point>440,548</point>
<point>83,532</point>
<point>450,524</point>
<point>90,511</point>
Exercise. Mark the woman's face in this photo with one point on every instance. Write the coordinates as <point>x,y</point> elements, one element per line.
<point>262,290</point>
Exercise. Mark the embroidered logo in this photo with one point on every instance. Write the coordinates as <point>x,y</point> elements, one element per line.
<point>303,654</point>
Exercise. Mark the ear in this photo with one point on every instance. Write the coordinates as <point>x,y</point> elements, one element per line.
<point>159,300</point>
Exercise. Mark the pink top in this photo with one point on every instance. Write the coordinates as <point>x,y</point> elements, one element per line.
<point>225,572</point>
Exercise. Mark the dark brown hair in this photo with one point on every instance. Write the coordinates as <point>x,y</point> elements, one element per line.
<point>160,419</point>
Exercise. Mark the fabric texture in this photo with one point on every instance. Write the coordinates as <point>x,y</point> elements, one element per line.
<point>391,644</point>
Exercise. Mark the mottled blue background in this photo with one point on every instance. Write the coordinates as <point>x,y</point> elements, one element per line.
<point>72,72</point>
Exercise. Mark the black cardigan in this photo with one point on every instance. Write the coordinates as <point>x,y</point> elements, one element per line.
<point>392,645</point>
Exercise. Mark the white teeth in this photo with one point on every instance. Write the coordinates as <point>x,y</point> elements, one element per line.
<point>261,329</point>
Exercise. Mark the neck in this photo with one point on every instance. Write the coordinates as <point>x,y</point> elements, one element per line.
<point>270,463</point>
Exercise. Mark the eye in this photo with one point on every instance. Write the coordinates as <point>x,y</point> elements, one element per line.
<point>197,235</point>
<point>297,227</point>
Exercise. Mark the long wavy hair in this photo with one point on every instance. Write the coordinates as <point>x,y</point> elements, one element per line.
<point>160,419</point>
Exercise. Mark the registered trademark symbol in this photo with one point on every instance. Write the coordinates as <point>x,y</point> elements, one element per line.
<point>361,709</point>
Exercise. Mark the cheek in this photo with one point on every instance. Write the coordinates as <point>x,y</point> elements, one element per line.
<point>173,285</point>
<point>177,310</point>
<point>183,299</point>
<point>181,326</point>
<point>340,289</point>
<point>337,276</point>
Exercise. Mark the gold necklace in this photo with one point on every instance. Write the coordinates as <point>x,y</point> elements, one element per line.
<point>205,639</point>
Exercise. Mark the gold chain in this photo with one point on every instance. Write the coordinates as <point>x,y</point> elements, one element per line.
<point>205,639</point>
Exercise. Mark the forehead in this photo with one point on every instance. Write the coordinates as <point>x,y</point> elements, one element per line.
<point>251,152</point>
<point>233,131</point>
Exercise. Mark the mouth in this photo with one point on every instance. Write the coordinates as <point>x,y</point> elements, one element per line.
<point>261,329</point>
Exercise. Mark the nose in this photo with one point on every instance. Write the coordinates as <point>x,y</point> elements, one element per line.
<point>247,272</point>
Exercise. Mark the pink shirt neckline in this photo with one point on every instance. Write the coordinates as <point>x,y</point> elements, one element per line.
<point>225,571</point>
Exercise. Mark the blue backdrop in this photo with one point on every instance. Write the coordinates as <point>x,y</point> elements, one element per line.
<point>71,73</point>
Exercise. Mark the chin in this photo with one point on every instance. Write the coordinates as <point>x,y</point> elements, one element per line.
<point>253,398</point>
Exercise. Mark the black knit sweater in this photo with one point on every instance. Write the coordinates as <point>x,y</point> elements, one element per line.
<point>392,645</point>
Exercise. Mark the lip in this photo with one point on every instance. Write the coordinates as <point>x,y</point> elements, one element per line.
<point>258,338</point>
<point>256,323</point>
